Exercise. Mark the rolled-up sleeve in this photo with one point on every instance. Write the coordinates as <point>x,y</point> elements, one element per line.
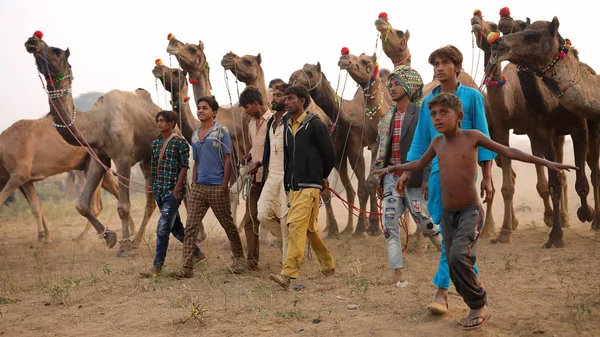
<point>184,154</point>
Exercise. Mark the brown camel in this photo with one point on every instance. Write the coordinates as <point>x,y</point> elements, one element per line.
<point>128,126</point>
<point>512,111</point>
<point>31,150</point>
<point>350,133</point>
<point>364,70</point>
<point>577,127</point>
<point>395,46</point>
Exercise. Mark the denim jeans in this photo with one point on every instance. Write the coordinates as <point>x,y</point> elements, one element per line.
<point>169,222</point>
<point>394,206</point>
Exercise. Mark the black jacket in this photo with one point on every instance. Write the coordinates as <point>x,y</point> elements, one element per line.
<point>409,124</point>
<point>267,150</point>
<point>309,156</point>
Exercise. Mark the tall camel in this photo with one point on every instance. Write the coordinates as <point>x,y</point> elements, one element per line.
<point>191,58</point>
<point>31,150</point>
<point>128,127</point>
<point>350,133</point>
<point>364,70</point>
<point>547,96</point>
<point>395,46</point>
<point>545,126</point>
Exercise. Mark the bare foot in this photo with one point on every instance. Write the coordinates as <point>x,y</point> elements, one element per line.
<point>398,276</point>
<point>476,318</point>
<point>439,305</point>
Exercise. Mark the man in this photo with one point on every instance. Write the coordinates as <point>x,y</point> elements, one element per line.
<point>396,130</point>
<point>309,157</point>
<point>251,100</point>
<point>170,158</point>
<point>447,65</point>
<point>272,204</point>
<point>211,146</point>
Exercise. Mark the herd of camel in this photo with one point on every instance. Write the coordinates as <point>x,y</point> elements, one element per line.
<point>545,92</point>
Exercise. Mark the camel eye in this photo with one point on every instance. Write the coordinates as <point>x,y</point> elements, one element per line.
<point>191,49</point>
<point>532,37</point>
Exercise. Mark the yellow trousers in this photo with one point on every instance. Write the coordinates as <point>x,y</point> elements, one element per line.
<point>302,224</point>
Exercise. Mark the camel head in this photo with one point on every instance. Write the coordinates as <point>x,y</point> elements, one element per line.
<point>361,68</point>
<point>274,83</point>
<point>190,56</point>
<point>174,80</point>
<point>51,62</point>
<point>481,29</point>
<point>508,25</point>
<point>537,47</point>
<point>394,42</point>
<point>246,68</point>
<point>310,76</point>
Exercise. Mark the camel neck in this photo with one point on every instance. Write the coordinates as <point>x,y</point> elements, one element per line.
<point>188,123</point>
<point>402,58</point>
<point>259,83</point>
<point>324,96</point>
<point>66,119</point>
<point>201,84</point>
<point>374,99</point>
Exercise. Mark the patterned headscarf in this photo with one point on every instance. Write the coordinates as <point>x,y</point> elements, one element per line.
<point>410,80</point>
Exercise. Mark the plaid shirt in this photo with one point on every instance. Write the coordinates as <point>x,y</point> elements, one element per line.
<point>396,132</point>
<point>176,157</point>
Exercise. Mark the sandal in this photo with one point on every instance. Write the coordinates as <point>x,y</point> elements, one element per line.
<point>479,319</point>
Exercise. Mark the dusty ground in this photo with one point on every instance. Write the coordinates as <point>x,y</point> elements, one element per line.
<point>82,289</point>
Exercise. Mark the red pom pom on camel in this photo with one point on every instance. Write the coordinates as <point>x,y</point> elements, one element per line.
<point>170,36</point>
<point>38,34</point>
<point>345,51</point>
<point>477,11</point>
<point>383,15</point>
<point>158,62</point>
<point>505,11</point>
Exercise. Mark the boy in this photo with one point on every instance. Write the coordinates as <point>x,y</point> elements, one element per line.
<point>395,134</point>
<point>211,146</point>
<point>309,157</point>
<point>462,217</point>
<point>169,165</point>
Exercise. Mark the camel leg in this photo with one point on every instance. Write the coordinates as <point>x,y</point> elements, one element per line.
<point>556,191</point>
<point>363,194</point>
<point>36,209</point>
<point>580,148</point>
<point>83,205</point>
<point>150,202</point>
<point>350,196</point>
<point>559,142</point>
<point>331,225</point>
<point>372,184</point>
<point>537,149</point>
<point>593,158</point>
<point>14,182</point>
<point>508,191</point>
<point>123,166</point>
<point>96,205</point>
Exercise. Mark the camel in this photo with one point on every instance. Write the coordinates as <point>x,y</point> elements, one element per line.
<point>511,111</point>
<point>584,133</point>
<point>191,58</point>
<point>128,127</point>
<point>30,151</point>
<point>542,49</point>
<point>350,133</point>
<point>395,46</point>
<point>364,70</point>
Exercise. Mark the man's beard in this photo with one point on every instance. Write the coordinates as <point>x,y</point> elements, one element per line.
<point>277,107</point>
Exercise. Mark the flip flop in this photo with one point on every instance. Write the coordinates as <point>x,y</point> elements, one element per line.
<point>437,308</point>
<point>476,326</point>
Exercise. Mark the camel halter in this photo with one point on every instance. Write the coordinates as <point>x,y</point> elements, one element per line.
<point>308,79</point>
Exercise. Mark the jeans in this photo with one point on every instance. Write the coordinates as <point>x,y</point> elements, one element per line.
<point>394,206</point>
<point>169,222</point>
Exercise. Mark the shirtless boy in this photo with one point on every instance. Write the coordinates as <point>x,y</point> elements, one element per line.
<point>462,218</point>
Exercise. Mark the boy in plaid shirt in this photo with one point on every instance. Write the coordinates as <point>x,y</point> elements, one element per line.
<point>170,157</point>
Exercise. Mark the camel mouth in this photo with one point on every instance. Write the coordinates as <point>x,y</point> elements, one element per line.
<point>227,63</point>
<point>173,49</point>
<point>344,64</point>
<point>500,52</point>
<point>381,25</point>
<point>476,28</point>
<point>158,72</point>
<point>32,45</point>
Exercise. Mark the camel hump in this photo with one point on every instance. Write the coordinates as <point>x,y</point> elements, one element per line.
<point>143,93</point>
<point>384,73</point>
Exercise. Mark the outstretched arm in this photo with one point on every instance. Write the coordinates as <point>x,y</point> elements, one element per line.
<point>416,165</point>
<point>512,153</point>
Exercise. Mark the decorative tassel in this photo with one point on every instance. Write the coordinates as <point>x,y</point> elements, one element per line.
<point>170,36</point>
<point>345,51</point>
<point>38,34</point>
<point>477,11</point>
<point>493,37</point>
<point>562,55</point>
<point>158,62</point>
<point>383,15</point>
<point>192,81</point>
<point>186,99</point>
<point>505,11</point>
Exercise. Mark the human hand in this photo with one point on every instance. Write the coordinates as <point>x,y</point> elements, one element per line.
<point>248,157</point>
<point>225,187</point>
<point>325,184</point>
<point>253,168</point>
<point>559,167</point>
<point>487,190</point>
<point>177,192</point>
<point>425,190</point>
<point>380,172</point>
<point>401,184</point>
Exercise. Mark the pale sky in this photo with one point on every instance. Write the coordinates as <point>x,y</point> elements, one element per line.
<point>114,44</point>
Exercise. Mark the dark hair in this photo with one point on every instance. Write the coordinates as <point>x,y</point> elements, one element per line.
<point>281,86</point>
<point>250,95</point>
<point>449,100</point>
<point>275,82</point>
<point>168,115</point>
<point>211,101</point>
<point>449,53</point>
<point>300,92</point>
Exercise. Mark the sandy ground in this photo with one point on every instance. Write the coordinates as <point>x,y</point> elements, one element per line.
<point>68,288</point>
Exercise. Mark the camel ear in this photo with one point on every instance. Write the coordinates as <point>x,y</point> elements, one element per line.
<point>201,45</point>
<point>374,57</point>
<point>407,35</point>
<point>528,21</point>
<point>554,26</point>
<point>258,58</point>
<point>319,66</point>
<point>67,53</point>
<point>184,73</point>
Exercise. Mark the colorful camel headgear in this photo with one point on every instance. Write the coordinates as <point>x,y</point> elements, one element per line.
<point>410,80</point>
